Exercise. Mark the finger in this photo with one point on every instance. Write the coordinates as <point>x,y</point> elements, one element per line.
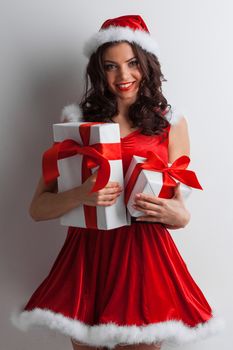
<point>106,203</point>
<point>148,205</point>
<point>149,219</point>
<point>110,190</point>
<point>177,191</point>
<point>113,184</point>
<point>148,212</point>
<point>107,198</point>
<point>150,198</point>
<point>91,179</point>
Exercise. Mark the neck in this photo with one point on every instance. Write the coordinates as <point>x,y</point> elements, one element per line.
<point>123,107</point>
<point>122,117</point>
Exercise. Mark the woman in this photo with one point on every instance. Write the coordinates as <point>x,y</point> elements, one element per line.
<point>127,286</point>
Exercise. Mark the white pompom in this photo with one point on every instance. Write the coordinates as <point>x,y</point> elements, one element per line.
<point>71,113</point>
<point>173,116</point>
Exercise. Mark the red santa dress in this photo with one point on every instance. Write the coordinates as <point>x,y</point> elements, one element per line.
<point>126,285</point>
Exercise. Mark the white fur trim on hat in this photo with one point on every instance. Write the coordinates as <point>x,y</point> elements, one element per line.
<point>113,33</point>
<point>71,113</point>
<point>173,116</point>
<point>110,334</point>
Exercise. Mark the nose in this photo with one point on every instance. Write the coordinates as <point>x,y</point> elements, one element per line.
<point>124,73</point>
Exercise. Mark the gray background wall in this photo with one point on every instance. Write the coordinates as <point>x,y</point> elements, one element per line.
<point>42,68</point>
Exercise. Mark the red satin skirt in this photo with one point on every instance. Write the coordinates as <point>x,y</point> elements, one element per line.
<point>129,276</point>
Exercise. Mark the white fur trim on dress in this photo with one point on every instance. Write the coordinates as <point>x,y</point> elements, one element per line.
<point>71,113</point>
<point>171,332</point>
<point>113,33</point>
<point>173,116</point>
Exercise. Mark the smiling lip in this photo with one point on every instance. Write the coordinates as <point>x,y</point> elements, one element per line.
<point>125,88</point>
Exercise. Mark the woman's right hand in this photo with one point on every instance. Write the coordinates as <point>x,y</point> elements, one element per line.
<point>105,197</point>
<point>48,203</point>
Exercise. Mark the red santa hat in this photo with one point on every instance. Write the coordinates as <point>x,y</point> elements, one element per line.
<point>129,28</point>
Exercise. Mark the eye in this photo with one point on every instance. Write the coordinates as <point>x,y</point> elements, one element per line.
<point>109,66</point>
<point>134,63</point>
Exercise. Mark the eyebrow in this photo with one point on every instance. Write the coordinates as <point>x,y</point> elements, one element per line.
<point>116,62</point>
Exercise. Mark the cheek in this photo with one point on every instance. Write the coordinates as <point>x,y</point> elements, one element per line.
<point>110,83</point>
<point>110,76</point>
<point>139,75</point>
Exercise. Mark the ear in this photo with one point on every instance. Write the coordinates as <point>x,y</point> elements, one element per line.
<point>71,113</point>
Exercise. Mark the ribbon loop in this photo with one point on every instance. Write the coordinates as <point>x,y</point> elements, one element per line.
<point>93,158</point>
<point>177,170</point>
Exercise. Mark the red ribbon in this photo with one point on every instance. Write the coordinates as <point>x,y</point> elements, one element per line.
<point>97,154</point>
<point>177,170</point>
<point>93,155</point>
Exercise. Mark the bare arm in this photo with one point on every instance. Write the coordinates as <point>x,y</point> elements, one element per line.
<point>178,140</point>
<point>47,203</point>
<point>179,145</point>
<point>172,212</point>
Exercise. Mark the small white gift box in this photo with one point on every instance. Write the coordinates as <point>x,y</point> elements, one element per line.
<point>148,182</point>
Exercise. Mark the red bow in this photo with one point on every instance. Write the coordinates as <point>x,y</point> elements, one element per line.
<point>177,170</point>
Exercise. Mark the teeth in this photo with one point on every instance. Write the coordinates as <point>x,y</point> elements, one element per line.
<point>124,85</point>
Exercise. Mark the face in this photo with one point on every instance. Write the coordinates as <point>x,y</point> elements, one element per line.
<point>122,71</point>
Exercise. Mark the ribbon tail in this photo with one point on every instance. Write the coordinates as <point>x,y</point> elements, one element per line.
<point>167,189</point>
<point>188,177</point>
<point>103,175</point>
<point>49,164</point>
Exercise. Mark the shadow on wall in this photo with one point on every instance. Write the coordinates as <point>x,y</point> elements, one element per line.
<point>42,88</point>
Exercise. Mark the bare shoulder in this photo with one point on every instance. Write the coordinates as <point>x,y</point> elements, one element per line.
<point>179,129</point>
<point>179,139</point>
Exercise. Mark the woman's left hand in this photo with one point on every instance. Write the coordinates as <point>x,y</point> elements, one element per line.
<point>170,212</point>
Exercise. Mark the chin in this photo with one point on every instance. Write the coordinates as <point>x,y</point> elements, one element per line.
<point>131,98</point>
<point>127,95</point>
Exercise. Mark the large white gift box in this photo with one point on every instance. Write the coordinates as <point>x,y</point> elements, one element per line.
<point>148,182</point>
<point>70,169</point>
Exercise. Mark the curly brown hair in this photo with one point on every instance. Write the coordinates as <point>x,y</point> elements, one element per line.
<point>147,112</point>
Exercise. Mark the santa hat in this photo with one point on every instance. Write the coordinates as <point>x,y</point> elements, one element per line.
<point>129,28</point>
